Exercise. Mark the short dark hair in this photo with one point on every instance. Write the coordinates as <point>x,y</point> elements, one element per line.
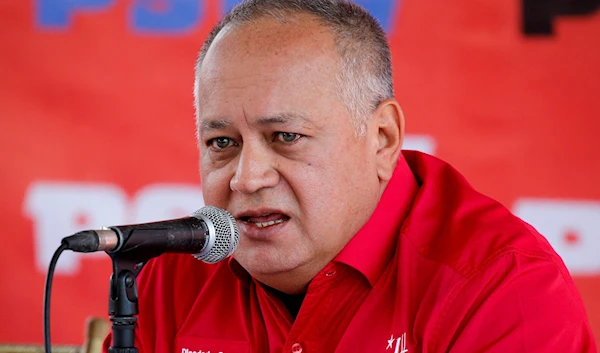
<point>365,76</point>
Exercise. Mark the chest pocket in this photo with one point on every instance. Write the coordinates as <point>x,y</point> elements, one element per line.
<point>192,344</point>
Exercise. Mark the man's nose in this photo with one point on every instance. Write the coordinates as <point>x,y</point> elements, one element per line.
<point>255,170</point>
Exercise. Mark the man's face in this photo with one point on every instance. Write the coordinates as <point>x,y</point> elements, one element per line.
<point>278,149</point>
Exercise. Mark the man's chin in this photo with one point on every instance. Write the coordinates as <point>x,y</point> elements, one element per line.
<point>261,265</point>
<point>268,269</point>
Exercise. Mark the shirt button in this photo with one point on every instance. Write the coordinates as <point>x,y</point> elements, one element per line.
<point>296,348</point>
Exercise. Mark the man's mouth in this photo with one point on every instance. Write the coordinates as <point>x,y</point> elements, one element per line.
<point>266,220</point>
<point>267,224</point>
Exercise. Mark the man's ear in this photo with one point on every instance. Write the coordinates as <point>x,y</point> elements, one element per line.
<point>389,126</point>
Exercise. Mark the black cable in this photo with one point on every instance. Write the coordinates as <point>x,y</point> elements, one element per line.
<point>47,292</point>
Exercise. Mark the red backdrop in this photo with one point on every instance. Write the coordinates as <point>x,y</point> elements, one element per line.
<point>97,128</point>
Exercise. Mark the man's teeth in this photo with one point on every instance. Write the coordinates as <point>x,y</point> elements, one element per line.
<point>267,224</point>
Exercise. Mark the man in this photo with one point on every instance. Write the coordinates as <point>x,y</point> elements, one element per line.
<point>347,243</point>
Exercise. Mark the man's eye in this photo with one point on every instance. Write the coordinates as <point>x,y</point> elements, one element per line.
<point>220,143</point>
<point>287,137</point>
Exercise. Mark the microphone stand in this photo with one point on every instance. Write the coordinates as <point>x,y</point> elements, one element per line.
<point>123,299</point>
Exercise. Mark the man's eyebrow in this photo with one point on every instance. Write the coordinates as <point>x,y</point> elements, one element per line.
<point>283,118</point>
<point>217,124</point>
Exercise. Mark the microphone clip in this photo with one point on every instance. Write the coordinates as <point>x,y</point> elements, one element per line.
<point>123,300</point>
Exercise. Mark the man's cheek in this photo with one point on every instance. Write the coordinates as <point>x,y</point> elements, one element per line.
<point>214,186</point>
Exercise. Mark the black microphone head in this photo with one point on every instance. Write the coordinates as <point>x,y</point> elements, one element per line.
<point>224,234</point>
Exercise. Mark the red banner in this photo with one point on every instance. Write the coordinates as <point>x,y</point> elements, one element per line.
<point>97,127</point>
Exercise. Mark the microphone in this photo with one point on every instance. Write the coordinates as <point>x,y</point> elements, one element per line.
<point>210,234</point>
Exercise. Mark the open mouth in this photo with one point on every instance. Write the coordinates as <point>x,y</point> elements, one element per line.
<point>267,220</point>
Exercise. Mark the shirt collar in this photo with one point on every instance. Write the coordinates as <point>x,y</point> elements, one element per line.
<point>373,246</point>
<point>239,271</point>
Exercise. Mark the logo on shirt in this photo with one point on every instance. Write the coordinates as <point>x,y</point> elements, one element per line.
<point>398,344</point>
<point>185,350</point>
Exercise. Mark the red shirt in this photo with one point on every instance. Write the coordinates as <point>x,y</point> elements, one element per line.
<point>439,267</point>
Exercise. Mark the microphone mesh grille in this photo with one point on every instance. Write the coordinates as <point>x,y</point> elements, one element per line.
<point>227,234</point>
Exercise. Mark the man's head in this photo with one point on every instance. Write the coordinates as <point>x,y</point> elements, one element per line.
<point>298,133</point>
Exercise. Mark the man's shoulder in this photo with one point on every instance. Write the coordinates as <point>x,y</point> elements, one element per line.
<point>483,277</point>
<point>454,224</point>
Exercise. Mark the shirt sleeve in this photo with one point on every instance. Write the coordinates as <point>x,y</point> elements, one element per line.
<point>517,303</point>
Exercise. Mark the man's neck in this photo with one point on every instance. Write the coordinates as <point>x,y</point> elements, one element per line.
<point>292,302</point>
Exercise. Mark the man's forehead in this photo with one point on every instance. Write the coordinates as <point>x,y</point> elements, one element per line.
<point>237,53</point>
